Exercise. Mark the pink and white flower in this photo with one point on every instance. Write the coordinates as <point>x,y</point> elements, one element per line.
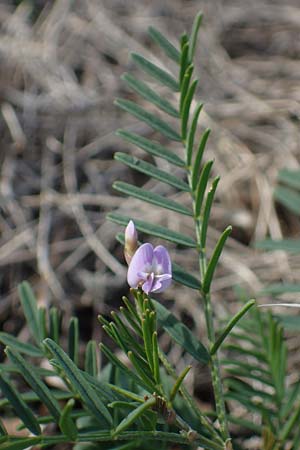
<point>150,268</point>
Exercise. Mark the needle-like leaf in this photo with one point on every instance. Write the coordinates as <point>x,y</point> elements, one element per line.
<point>156,72</point>
<point>169,49</point>
<point>149,94</point>
<point>150,197</point>
<point>149,118</point>
<point>152,171</point>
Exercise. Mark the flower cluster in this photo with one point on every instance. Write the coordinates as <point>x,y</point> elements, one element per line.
<point>148,267</point>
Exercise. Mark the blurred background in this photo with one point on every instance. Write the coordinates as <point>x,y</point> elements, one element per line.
<point>61,63</point>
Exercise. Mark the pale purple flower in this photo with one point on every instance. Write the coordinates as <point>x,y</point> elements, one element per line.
<point>150,268</point>
<point>131,241</point>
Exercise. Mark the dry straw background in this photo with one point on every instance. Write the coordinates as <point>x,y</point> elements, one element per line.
<point>60,72</point>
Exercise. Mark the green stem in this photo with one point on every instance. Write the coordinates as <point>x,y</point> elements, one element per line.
<point>214,362</point>
<point>105,436</point>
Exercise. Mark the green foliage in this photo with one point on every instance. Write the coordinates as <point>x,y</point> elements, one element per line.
<point>258,380</point>
<point>132,407</point>
<point>197,182</point>
<point>287,193</point>
<point>180,333</point>
<point>280,412</point>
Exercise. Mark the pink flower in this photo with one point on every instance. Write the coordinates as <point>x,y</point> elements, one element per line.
<point>150,268</point>
<point>131,241</point>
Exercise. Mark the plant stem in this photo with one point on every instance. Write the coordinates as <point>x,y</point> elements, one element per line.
<point>214,362</point>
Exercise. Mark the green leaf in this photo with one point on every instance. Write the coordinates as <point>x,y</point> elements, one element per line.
<point>292,397</point>
<point>21,409</point>
<point>117,363</point>
<point>296,439</point>
<point>126,334</point>
<point>104,390</point>
<point>147,339</point>
<point>206,212</point>
<point>43,323</point>
<point>154,230</point>
<point>165,44</point>
<point>20,444</point>
<point>248,368</point>
<point>179,382</point>
<point>150,119</point>
<point>133,416</point>
<point>191,134</point>
<point>180,333</point>
<point>194,35</point>
<point>289,198</point>
<point>290,323</point>
<point>150,197</point>
<point>91,363</point>
<point>185,83</point>
<point>131,319</point>
<point>214,260</point>
<point>183,65</point>
<point>246,352</point>
<point>152,171</point>
<point>290,424</point>
<point>245,388</point>
<point>115,334</point>
<point>149,94</point>
<point>151,147</point>
<point>235,319</point>
<point>288,245</point>
<point>244,423</point>
<point>142,369</point>
<point>156,72</point>
<point>3,432</point>
<point>33,397</point>
<point>247,403</point>
<point>66,422</point>
<point>54,318</point>
<point>239,372</point>
<point>29,305</point>
<point>241,336</point>
<point>155,355</point>
<point>78,381</point>
<point>201,187</point>
<point>73,339</point>
<point>29,374</point>
<point>186,108</point>
<point>185,278</point>
<point>21,347</point>
<point>197,163</point>
<point>280,288</point>
<point>290,177</point>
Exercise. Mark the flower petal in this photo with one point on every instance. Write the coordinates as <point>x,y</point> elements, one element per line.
<point>131,233</point>
<point>141,262</point>
<point>161,283</point>
<point>147,286</point>
<point>161,261</point>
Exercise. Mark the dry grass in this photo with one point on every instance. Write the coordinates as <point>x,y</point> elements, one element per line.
<point>60,71</point>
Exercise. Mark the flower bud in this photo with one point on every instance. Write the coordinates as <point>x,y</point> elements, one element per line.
<point>131,242</point>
